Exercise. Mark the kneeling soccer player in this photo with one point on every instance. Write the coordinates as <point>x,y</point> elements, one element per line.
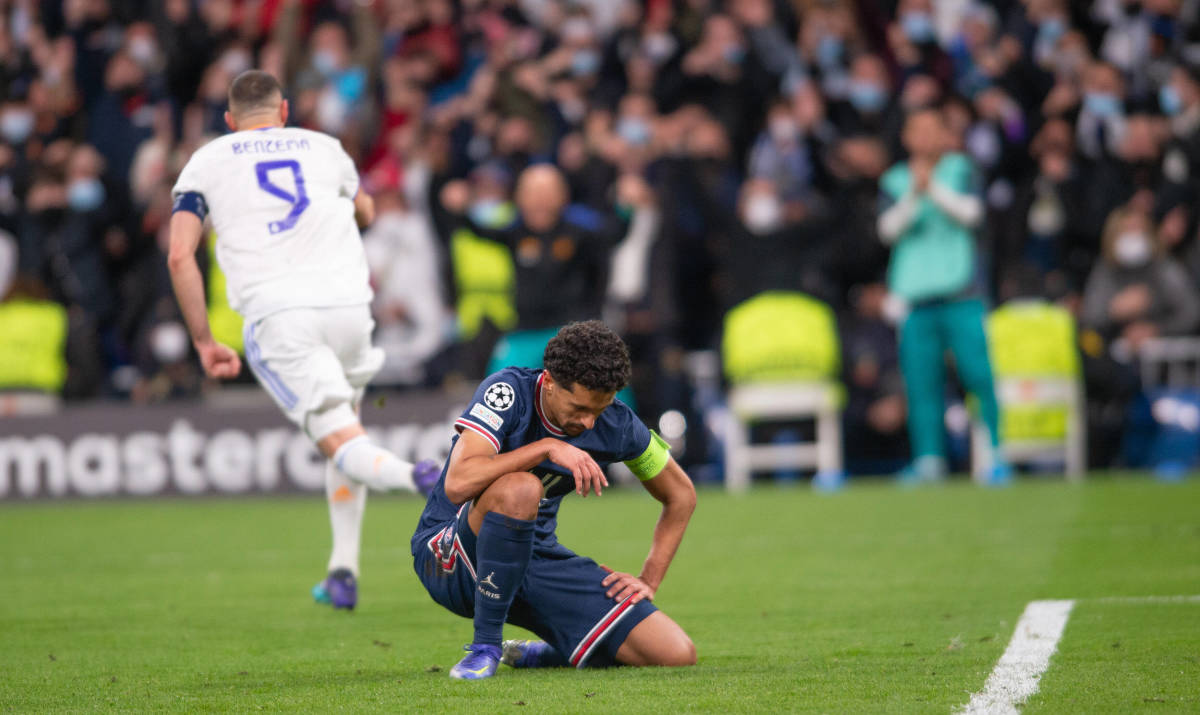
<point>485,547</point>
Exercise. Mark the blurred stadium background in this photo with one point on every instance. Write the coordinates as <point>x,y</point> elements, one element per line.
<point>735,146</point>
<point>723,158</point>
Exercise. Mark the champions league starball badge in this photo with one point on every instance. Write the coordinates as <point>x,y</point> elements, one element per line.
<point>499,396</point>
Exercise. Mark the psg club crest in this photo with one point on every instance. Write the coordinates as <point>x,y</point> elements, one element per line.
<point>500,396</point>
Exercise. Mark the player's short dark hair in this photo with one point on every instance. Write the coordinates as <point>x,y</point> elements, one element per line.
<point>254,90</point>
<point>589,354</point>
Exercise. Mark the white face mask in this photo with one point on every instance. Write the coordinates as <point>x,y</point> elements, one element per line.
<point>782,130</point>
<point>1132,249</point>
<point>169,342</point>
<point>764,213</point>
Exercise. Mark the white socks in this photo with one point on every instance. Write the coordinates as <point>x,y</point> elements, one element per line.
<point>373,466</point>
<point>347,501</point>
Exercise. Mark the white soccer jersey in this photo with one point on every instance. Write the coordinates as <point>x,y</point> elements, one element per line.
<point>282,206</point>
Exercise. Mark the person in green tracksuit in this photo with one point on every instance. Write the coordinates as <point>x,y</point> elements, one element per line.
<point>930,213</point>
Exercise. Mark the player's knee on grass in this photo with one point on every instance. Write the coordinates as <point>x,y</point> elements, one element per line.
<point>658,640</point>
<point>516,494</point>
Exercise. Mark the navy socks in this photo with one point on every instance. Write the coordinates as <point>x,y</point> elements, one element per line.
<point>502,551</point>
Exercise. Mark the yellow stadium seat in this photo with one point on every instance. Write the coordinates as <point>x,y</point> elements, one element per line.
<point>782,357</point>
<point>1039,386</point>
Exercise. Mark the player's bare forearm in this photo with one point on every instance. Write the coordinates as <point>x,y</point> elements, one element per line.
<point>364,209</point>
<point>187,281</point>
<point>475,464</point>
<point>674,490</point>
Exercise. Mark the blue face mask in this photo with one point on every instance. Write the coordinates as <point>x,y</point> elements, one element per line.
<point>829,50</point>
<point>918,26</point>
<point>1169,100</point>
<point>1102,104</point>
<point>85,195</point>
<point>634,131</point>
<point>585,62</point>
<point>734,54</point>
<point>16,125</point>
<point>1052,29</point>
<point>866,96</point>
<point>487,212</point>
<point>324,62</point>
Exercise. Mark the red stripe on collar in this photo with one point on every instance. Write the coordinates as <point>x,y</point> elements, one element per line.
<point>537,403</point>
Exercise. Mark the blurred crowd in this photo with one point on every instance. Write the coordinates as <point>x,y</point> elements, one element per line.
<point>708,149</point>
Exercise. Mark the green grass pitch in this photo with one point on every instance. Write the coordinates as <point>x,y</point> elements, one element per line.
<point>872,599</point>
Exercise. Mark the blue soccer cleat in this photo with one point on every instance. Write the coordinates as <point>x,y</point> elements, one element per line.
<point>928,469</point>
<point>339,589</point>
<point>531,654</point>
<point>479,663</point>
<point>1000,474</point>
<point>426,474</point>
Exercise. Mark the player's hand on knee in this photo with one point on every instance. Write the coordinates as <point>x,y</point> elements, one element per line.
<point>219,361</point>
<point>588,475</point>
<point>623,585</point>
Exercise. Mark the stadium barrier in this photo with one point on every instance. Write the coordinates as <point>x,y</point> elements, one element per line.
<point>226,447</point>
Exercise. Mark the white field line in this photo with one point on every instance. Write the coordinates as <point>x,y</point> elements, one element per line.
<point>1144,599</point>
<point>1028,654</point>
<point>1016,676</point>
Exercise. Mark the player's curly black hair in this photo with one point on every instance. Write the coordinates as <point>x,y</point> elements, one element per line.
<point>590,354</point>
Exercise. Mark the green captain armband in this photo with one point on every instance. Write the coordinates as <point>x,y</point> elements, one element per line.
<point>651,462</point>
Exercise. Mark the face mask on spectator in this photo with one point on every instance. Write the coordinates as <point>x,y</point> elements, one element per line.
<point>16,125</point>
<point>487,212</point>
<point>734,54</point>
<point>235,62</point>
<point>659,46</point>
<point>573,110</point>
<point>1102,104</point>
<point>85,195</point>
<point>324,62</point>
<point>1051,29</point>
<point>585,63</point>
<point>764,213</point>
<point>866,96</point>
<point>782,130</point>
<point>634,131</point>
<point>983,143</point>
<point>168,343</point>
<point>829,50</point>
<point>1169,100</point>
<point>143,50</point>
<point>918,26</point>
<point>1132,249</point>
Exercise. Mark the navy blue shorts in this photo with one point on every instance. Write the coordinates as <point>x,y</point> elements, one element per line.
<point>561,599</point>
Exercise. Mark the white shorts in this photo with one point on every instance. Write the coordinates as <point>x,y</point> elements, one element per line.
<point>315,363</point>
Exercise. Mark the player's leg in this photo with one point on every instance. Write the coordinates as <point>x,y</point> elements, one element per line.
<point>922,364</point>
<point>657,640</point>
<point>502,520</point>
<point>968,342</point>
<point>347,503</point>
<point>563,600</point>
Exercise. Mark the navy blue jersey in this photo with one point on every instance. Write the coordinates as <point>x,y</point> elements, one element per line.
<point>507,411</point>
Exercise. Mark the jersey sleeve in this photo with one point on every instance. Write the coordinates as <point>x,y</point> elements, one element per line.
<point>348,180</point>
<point>493,411</point>
<point>645,452</point>
<point>188,192</point>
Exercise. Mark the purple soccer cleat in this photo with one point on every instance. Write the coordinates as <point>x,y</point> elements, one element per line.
<point>479,663</point>
<point>426,474</point>
<point>531,654</point>
<point>339,589</point>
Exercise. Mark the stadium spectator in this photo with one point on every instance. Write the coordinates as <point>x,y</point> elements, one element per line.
<point>1136,292</point>
<point>1067,112</point>
<point>930,221</point>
